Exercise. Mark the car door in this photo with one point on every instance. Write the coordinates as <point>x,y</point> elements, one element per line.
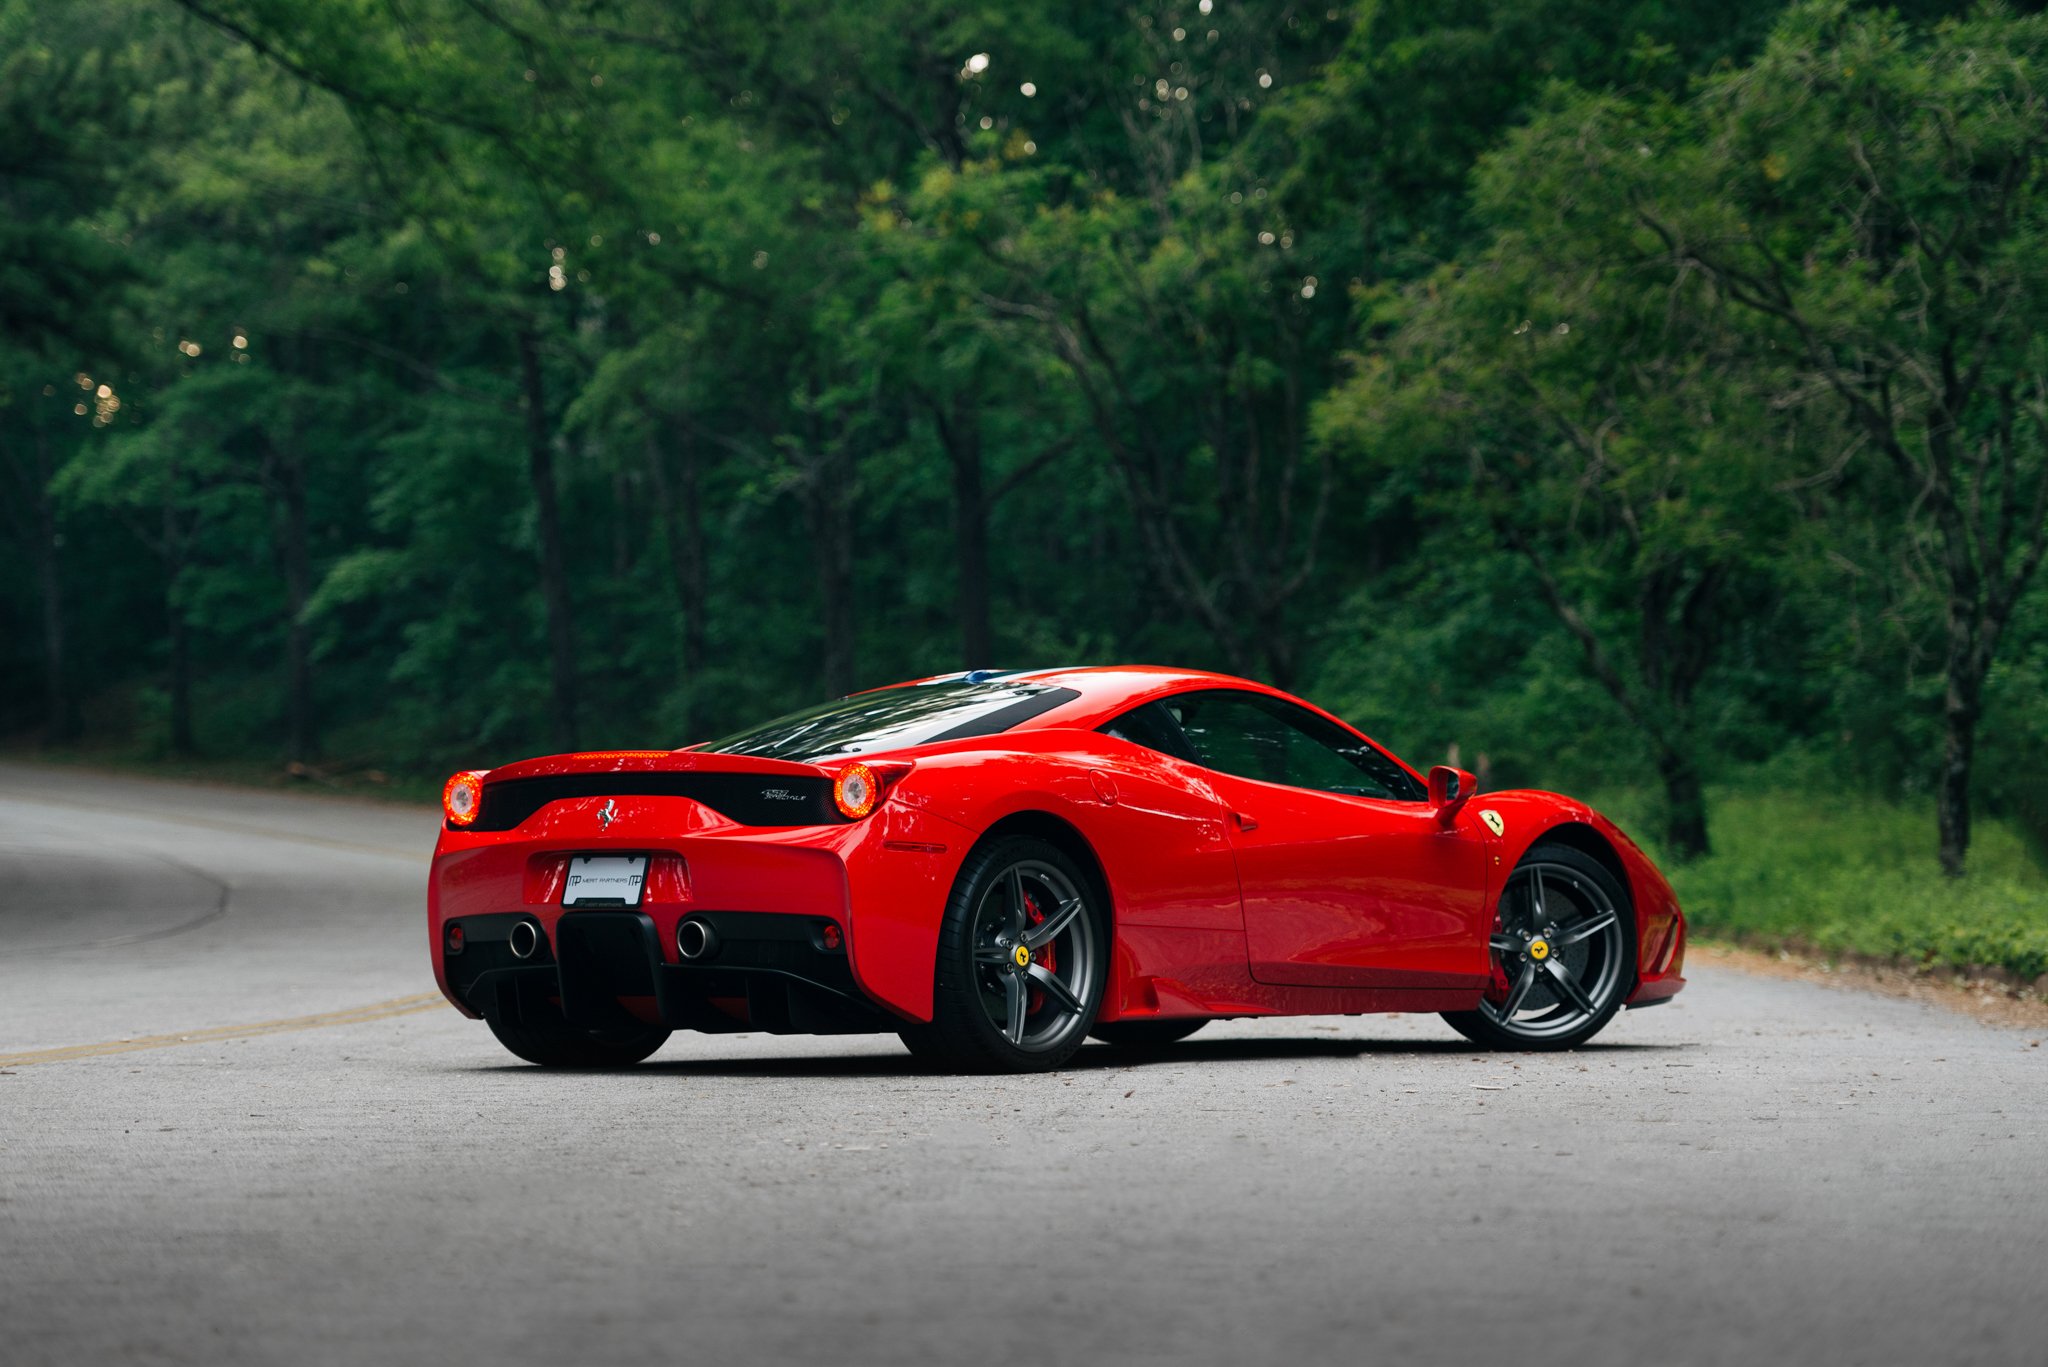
<point>1347,877</point>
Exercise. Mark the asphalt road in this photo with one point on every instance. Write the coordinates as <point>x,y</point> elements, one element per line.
<point>233,1128</point>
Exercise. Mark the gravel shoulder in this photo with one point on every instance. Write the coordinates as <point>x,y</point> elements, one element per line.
<point>1986,999</point>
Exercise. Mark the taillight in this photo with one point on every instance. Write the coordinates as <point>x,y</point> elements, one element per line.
<point>463,797</point>
<point>861,787</point>
<point>856,791</point>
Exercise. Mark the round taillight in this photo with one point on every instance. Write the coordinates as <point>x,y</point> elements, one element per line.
<point>463,797</point>
<point>856,791</point>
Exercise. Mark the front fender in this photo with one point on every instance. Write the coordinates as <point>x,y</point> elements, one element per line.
<point>1528,817</point>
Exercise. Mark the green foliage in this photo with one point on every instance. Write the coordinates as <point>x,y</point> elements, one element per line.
<point>1751,365</point>
<point>490,378</point>
<point>1844,874</point>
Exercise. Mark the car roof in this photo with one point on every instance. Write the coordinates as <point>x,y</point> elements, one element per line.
<point>1104,689</point>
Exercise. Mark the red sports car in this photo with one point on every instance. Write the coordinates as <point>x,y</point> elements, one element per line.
<point>997,865</point>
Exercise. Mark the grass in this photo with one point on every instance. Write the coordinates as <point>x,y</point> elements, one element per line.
<point>1852,876</point>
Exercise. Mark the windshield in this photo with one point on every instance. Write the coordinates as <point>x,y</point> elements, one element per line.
<point>892,718</point>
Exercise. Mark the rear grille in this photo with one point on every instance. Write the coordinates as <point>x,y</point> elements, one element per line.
<point>750,799</point>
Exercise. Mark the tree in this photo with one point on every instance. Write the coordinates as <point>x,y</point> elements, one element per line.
<point>1876,196</point>
<point>75,127</point>
<point>1558,396</point>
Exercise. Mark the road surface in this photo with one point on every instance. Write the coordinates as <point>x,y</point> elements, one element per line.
<point>236,1127</point>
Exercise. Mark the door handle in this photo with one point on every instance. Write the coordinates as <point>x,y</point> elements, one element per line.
<point>1244,822</point>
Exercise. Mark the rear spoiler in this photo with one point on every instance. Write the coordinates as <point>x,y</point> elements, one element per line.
<point>748,789</point>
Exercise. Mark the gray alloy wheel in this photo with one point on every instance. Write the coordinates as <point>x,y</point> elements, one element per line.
<point>1036,973</point>
<point>1023,959</point>
<point>1564,943</point>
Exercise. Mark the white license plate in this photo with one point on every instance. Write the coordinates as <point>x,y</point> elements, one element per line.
<point>609,879</point>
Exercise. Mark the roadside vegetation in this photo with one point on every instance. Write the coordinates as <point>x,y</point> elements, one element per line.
<point>1828,874</point>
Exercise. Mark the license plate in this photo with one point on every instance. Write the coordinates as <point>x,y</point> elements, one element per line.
<point>611,880</point>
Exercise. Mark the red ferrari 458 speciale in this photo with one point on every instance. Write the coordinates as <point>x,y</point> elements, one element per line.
<point>997,865</point>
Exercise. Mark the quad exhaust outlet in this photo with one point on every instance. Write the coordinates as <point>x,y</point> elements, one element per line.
<point>524,940</point>
<point>696,939</point>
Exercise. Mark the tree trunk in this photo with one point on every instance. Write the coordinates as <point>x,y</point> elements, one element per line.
<point>835,591</point>
<point>959,432</point>
<point>970,537</point>
<point>694,596</point>
<point>1685,807</point>
<point>554,576</point>
<point>624,533</point>
<point>1961,708</point>
<point>177,634</point>
<point>1659,708</point>
<point>679,505</point>
<point>61,707</point>
<point>1276,647</point>
<point>829,513</point>
<point>301,736</point>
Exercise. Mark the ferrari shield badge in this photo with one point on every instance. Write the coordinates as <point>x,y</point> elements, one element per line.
<point>1493,821</point>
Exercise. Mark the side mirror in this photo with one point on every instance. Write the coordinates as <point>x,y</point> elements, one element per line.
<point>1449,790</point>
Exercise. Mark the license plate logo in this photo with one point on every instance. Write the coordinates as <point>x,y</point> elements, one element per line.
<point>605,880</point>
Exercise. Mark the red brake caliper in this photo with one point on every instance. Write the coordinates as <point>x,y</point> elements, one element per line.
<point>1497,991</point>
<point>1043,957</point>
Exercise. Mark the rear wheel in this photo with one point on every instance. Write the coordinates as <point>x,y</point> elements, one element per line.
<point>1023,956</point>
<point>1563,949</point>
<point>554,1043</point>
<point>1148,1034</point>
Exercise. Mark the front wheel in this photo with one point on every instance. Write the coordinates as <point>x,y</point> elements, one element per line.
<point>1563,949</point>
<point>554,1043</point>
<point>1023,956</point>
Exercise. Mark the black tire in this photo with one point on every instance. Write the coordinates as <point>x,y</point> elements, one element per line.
<point>1148,1034</point>
<point>923,1044</point>
<point>1047,1004</point>
<point>554,1043</point>
<point>1559,960</point>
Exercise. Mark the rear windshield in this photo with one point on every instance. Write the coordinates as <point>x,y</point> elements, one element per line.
<point>892,718</point>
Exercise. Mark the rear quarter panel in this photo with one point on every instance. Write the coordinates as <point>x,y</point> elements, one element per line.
<point>1156,832</point>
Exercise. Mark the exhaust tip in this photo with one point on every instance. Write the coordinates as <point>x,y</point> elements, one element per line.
<point>524,940</point>
<point>696,939</point>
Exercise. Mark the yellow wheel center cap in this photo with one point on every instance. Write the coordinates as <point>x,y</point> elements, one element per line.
<point>1539,950</point>
<point>1021,956</point>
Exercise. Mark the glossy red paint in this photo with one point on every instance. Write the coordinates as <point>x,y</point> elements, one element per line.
<point>1227,896</point>
<point>1344,891</point>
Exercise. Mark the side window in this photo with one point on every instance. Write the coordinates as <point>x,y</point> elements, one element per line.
<point>1153,727</point>
<point>1254,736</point>
<point>1238,737</point>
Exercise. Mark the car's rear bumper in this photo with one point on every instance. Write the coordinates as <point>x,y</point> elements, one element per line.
<point>769,972</point>
<point>884,880</point>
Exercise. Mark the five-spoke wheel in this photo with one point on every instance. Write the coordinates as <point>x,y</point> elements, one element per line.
<point>1024,920</point>
<point>1562,951</point>
<point>1021,961</point>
